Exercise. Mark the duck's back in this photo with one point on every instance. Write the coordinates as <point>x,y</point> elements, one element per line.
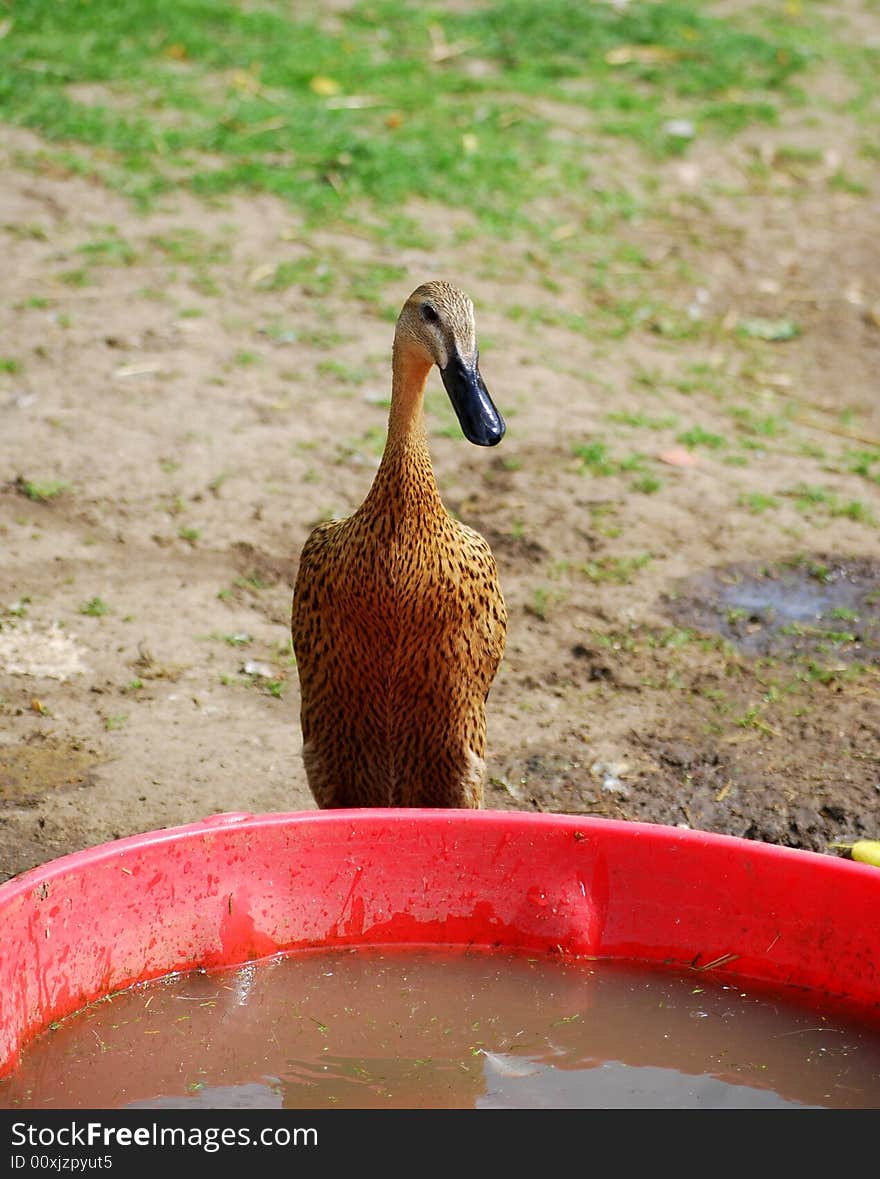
<point>398,632</point>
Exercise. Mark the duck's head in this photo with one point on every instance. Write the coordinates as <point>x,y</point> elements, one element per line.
<point>437,320</point>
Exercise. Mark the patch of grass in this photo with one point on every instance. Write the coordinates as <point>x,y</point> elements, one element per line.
<point>109,250</point>
<point>594,457</point>
<point>863,462</point>
<point>239,639</point>
<point>844,614</point>
<point>8,364</point>
<point>814,672</point>
<point>42,490</point>
<point>26,231</point>
<point>77,278</point>
<point>774,330</point>
<point>174,505</point>
<point>344,374</point>
<point>189,247</point>
<point>841,181</point>
<point>854,509</point>
<point>830,639</point>
<point>95,607</point>
<point>253,582</point>
<point>806,495</point>
<point>633,462</point>
<point>312,274</point>
<point>370,281</point>
<point>697,436</point>
<point>809,498</point>
<point>602,518</point>
<point>701,377</point>
<point>757,503</point>
<point>392,101</point>
<point>542,601</point>
<point>217,482</point>
<point>752,719</point>
<point>619,570</point>
<point>270,687</point>
<point>790,156</point>
<point>536,316</point>
<point>837,637</point>
<point>647,484</point>
<point>766,426</point>
<point>642,420</point>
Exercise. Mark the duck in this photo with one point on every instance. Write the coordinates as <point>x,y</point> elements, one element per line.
<point>398,619</point>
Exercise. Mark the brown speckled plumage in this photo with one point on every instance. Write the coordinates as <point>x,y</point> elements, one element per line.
<point>398,618</point>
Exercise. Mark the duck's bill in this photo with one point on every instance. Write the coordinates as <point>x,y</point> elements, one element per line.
<point>480,421</point>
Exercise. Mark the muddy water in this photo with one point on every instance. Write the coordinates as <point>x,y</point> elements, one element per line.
<point>430,1029</point>
<point>825,607</point>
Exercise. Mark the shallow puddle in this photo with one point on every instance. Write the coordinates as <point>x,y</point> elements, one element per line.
<point>825,607</point>
<point>422,1028</point>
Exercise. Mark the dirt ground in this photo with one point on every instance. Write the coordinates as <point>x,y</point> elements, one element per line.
<point>694,630</point>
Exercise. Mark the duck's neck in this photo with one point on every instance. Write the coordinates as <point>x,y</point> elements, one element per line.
<point>404,485</point>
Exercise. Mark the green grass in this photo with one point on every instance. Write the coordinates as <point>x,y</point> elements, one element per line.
<point>239,639</point>
<point>96,607</point>
<point>596,459</point>
<point>865,463</point>
<point>542,602</point>
<point>757,502</point>
<point>376,106</point>
<point>810,499</point>
<point>41,491</point>
<point>108,250</point>
<point>189,247</point>
<point>642,419</point>
<point>769,329</point>
<point>756,425</point>
<point>342,373</point>
<point>697,436</point>
<point>619,570</point>
<point>647,484</point>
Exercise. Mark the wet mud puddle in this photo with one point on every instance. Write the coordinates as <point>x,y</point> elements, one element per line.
<point>437,1029</point>
<point>822,607</point>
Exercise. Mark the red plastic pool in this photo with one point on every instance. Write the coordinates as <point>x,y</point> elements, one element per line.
<point>236,887</point>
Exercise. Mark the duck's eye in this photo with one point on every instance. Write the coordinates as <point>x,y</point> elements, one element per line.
<point>429,313</point>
